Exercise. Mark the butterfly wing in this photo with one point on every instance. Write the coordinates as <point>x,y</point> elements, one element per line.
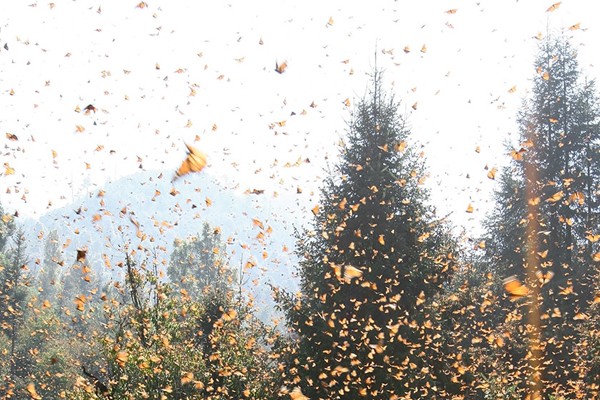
<point>515,288</point>
<point>544,277</point>
<point>194,162</point>
<point>280,68</point>
<point>196,158</point>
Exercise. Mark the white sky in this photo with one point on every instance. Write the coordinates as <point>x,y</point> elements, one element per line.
<point>125,60</point>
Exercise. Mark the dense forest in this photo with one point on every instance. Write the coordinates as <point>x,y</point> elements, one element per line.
<point>391,304</point>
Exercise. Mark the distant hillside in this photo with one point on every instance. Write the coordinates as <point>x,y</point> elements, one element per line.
<point>257,226</point>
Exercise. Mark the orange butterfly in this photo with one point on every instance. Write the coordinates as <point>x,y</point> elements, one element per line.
<point>229,315</point>
<point>553,7</point>
<point>195,162</point>
<point>544,277</point>
<point>347,272</point>
<point>515,288</point>
<point>297,394</point>
<point>280,68</point>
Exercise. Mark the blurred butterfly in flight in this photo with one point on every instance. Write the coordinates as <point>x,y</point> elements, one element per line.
<point>515,288</point>
<point>194,162</point>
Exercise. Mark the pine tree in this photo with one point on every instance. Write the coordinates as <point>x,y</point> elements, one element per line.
<point>544,227</point>
<point>199,264</point>
<point>7,227</point>
<point>76,281</point>
<point>371,261</point>
<point>49,276</point>
<point>14,293</point>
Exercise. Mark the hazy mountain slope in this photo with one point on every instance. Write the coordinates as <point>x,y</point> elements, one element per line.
<point>257,227</point>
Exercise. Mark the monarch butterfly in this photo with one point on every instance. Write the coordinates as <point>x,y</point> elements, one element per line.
<point>553,7</point>
<point>515,288</point>
<point>81,254</point>
<point>280,68</point>
<point>555,197</point>
<point>296,394</point>
<point>195,162</point>
<point>89,108</point>
<point>352,272</point>
<point>580,316</point>
<point>544,277</point>
<point>229,315</point>
<point>347,272</point>
<point>32,391</point>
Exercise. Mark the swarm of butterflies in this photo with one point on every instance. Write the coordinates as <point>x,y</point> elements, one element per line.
<point>516,289</point>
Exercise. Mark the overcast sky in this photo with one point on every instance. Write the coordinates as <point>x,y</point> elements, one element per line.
<point>160,73</point>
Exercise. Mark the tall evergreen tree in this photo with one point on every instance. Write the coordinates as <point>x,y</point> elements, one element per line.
<point>546,221</point>
<point>7,227</point>
<point>75,281</point>
<point>199,263</point>
<point>14,293</point>
<point>50,274</point>
<point>373,258</point>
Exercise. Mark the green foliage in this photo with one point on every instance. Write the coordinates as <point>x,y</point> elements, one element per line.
<point>7,228</point>
<point>506,241</point>
<point>199,263</point>
<point>14,282</point>
<point>162,343</point>
<point>49,276</point>
<point>140,337</point>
